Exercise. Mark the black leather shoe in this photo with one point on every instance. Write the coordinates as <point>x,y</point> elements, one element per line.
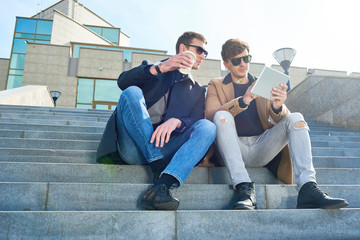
<point>311,196</point>
<point>245,196</point>
<point>158,197</point>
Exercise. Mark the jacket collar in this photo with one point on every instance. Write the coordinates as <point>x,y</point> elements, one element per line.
<point>184,77</point>
<point>228,78</point>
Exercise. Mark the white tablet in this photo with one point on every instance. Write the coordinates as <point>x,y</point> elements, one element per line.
<point>268,79</point>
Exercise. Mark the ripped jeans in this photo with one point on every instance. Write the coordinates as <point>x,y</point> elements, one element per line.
<point>257,151</point>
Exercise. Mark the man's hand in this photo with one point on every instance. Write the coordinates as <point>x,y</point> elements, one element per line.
<point>279,96</point>
<point>181,60</point>
<point>248,97</point>
<point>162,133</point>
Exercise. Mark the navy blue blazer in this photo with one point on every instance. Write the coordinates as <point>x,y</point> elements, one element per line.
<point>186,101</point>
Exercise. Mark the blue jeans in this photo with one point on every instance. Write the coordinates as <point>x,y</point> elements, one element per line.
<point>181,153</point>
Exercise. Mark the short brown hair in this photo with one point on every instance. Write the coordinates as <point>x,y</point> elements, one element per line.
<point>233,47</point>
<point>187,37</point>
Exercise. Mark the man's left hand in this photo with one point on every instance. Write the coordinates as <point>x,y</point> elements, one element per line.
<point>279,96</point>
<point>162,133</point>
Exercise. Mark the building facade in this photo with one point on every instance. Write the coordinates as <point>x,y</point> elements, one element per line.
<point>70,49</point>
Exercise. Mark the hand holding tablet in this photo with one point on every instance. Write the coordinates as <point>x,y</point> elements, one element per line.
<point>269,79</point>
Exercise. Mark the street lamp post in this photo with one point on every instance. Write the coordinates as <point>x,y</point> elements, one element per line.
<point>55,95</point>
<point>284,57</point>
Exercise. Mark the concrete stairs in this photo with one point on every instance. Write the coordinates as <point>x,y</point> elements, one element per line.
<point>52,188</point>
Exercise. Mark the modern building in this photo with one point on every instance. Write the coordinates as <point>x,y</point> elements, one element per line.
<point>70,49</point>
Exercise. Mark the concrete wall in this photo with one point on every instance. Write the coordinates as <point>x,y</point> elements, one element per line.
<point>333,100</point>
<point>83,15</point>
<point>75,11</point>
<point>66,30</point>
<point>355,74</point>
<point>27,96</point>
<point>48,65</point>
<point>297,74</point>
<point>208,69</point>
<point>48,13</point>
<point>4,69</point>
<point>97,63</point>
<point>124,40</point>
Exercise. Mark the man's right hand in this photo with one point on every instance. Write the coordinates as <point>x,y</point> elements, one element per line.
<point>248,97</point>
<point>181,60</point>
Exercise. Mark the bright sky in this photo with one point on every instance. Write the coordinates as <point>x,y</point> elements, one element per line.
<point>324,33</point>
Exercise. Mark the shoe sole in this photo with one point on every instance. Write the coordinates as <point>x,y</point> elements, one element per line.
<point>335,206</point>
<point>244,208</point>
<point>160,206</point>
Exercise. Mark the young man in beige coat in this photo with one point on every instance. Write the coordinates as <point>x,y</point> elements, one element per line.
<point>247,138</point>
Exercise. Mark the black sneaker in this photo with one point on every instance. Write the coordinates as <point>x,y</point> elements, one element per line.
<point>158,197</point>
<point>311,196</point>
<point>245,196</point>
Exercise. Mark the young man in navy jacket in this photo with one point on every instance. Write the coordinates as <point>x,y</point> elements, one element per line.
<point>159,120</point>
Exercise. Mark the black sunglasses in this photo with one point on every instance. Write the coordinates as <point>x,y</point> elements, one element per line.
<point>199,49</point>
<point>237,61</point>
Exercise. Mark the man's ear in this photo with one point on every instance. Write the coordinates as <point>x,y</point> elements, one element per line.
<point>182,48</point>
<point>226,65</point>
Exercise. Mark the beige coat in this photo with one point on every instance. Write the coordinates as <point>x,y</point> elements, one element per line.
<point>220,97</point>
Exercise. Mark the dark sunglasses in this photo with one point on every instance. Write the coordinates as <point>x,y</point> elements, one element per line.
<point>237,61</point>
<point>199,49</point>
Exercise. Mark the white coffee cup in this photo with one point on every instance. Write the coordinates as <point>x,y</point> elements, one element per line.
<point>193,59</point>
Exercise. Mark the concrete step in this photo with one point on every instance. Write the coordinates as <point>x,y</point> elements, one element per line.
<point>53,122</point>
<point>89,157</point>
<point>15,152</point>
<point>335,149</point>
<point>336,162</point>
<point>16,108</point>
<point>335,133</point>
<point>49,159</point>
<point>336,144</point>
<point>48,144</point>
<point>324,141</point>
<point>27,134</point>
<point>54,116</point>
<point>335,138</point>
<point>182,224</point>
<point>335,152</point>
<point>101,173</point>
<point>52,128</point>
<point>92,145</point>
<point>114,197</point>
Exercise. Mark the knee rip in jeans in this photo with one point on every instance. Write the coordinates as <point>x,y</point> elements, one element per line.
<point>222,119</point>
<point>301,125</point>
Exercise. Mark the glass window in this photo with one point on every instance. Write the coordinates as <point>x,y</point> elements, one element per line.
<point>38,41</point>
<point>16,72</point>
<point>107,90</point>
<point>44,27</point>
<point>111,34</point>
<point>20,46</point>
<point>24,35</point>
<point>100,106</point>
<point>95,29</point>
<point>17,61</point>
<point>43,37</point>
<point>25,25</point>
<point>14,81</point>
<point>84,106</point>
<point>85,90</point>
